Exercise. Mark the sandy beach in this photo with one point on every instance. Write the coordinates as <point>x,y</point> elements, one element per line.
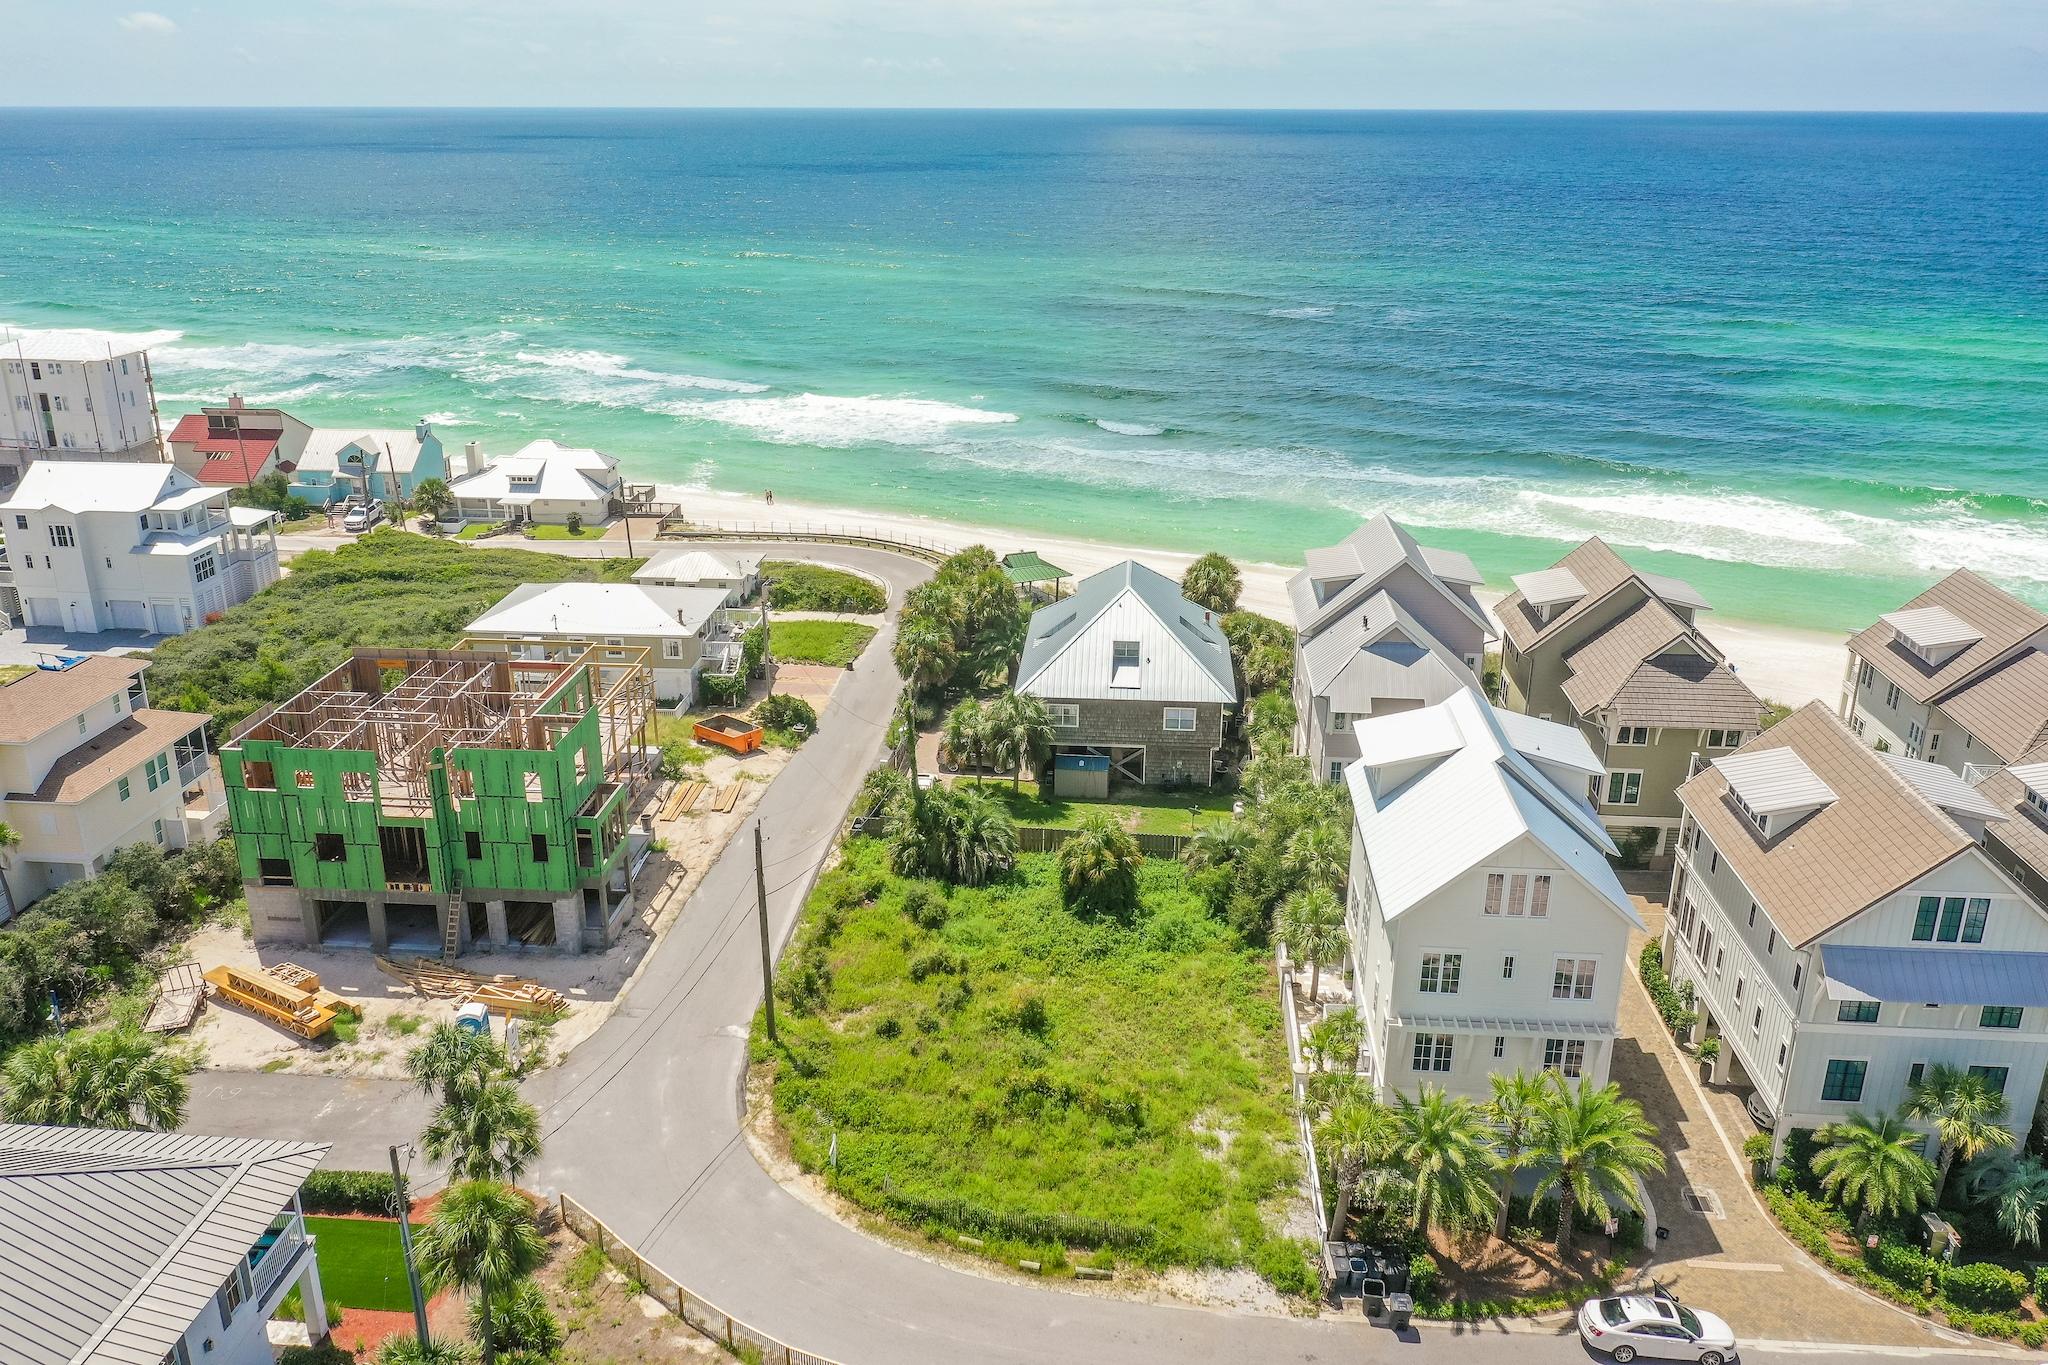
<point>1782,665</point>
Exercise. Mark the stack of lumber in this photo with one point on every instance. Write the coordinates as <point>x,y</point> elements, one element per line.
<point>440,981</point>
<point>266,997</point>
<point>728,797</point>
<point>179,992</point>
<point>682,798</point>
<point>308,980</point>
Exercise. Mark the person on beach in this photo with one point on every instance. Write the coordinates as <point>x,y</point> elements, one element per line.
<point>771,497</point>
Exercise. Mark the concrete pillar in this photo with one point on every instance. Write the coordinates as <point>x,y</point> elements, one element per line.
<point>494,914</point>
<point>380,931</point>
<point>1698,1032</point>
<point>569,923</point>
<point>1717,1074</point>
<point>311,1295</point>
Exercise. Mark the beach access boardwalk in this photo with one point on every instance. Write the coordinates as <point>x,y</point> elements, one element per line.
<point>642,1128</point>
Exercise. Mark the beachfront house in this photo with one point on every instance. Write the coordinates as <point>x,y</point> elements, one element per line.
<point>683,630</point>
<point>89,767</point>
<point>1957,676</point>
<point>1488,931</point>
<point>70,397</point>
<point>736,575</point>
<point>1617,652</point>
<point>235,445</point>
<point>1844,926</point>
<point>1382,625</point>
<point>1138,681</point>
<point>142,547</point>
<point>338,463</point>
<point>140,1247</point>
<point>545,483</point>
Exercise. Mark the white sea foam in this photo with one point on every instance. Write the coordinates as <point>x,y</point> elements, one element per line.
<point>836,422</point>
<point>1128,428</point>
<point>606,365</point>
<point>63,343</point>
<point>1307,311</point>
<point>447,419</point>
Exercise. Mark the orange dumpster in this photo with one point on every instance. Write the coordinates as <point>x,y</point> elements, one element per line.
<point>740,736</point>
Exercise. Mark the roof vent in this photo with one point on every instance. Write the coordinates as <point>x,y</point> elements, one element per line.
<point>1935,634</point>
<point>1774,788</point>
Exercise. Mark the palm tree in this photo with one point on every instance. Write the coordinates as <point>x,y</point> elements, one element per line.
<point>1019,733</point>
<point>432,498</point>
<point>1356,1140</point>
<point>1219,843</point>
<point>483,1240</point>
<point>1336,1035</point>
<point>1965,1113</point>
<point>1212,582</point>
<point>1318,854</point>
<point>1591,1144</point>
<point>10,839</point>
<point>983,838</point>
<point>1516,1112</point>
<point>452,1060</point>
<point>1446,1151</point>
<point>1099,868</point>
<point>924,654</point>
<point>485,1131</point>
<point>965,733</point>
<point>1875,1165</point>
<point>1312,927</point>
<point>2016,1186</point>
<point>116,1078</point>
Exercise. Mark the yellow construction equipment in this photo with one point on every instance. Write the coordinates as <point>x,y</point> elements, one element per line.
<point>289,1007</point>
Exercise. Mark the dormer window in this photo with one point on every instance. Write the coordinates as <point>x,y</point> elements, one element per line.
<point>1933,635</point>
<point>2037,802</point>
<point>1755,817</point>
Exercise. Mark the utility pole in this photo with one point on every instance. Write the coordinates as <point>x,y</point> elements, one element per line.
<point>412,1271</point>
<point>761,900</point>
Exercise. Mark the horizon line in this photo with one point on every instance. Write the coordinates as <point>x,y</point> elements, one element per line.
<point>1564,110</point>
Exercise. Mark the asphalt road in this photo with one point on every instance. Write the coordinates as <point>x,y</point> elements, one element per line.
<point>643,1129</point>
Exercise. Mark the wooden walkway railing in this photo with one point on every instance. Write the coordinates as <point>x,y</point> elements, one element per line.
<point>700,1313</point>
<point>822,532</point>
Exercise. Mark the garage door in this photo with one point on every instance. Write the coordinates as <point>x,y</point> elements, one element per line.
<point>129,615</point>
<point>166,618</point>
<point>42,611</point>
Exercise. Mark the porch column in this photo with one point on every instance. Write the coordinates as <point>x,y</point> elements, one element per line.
<point>1698,1032</point>
<point>1717,1074</point>
<point>311,1295</point>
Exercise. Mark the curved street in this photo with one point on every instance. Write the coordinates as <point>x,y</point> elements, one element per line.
<point>643,1128</point>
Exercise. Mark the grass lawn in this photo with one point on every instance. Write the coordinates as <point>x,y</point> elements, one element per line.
<point>794,586</point>
<point>1044,1082</point>
<point>362,1264</point>
<point>9,672</point>
<point>837,643</point>
<point>476,528</point>
<point>1144,812</point>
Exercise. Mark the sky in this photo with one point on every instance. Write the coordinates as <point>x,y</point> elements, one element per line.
<point>1347,54</point>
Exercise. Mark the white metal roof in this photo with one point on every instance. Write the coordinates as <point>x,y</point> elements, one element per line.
<point>1772,780</point>
<point>391,449</point>
<point>1932,628</point>
<point>2034,776</point>
<point>1361,562</point>
<point>60,345</point>
<point>1452,566</point>
<point>105,486</point>
<point>1548,587</point>
<point>1943,787</point>
<point>1378,652</point>
<point>249,517</point>
<point>584,610</point>
<point>114,1242</point>
<point>543,470</point>
<point>695,566</point>
<point>1675,590</point>
<point>1443,790</point>
<point>1069,647</point>
<point>1562,746</point>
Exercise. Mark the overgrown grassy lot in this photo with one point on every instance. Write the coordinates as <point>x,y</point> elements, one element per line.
<point>390,588</point>
<point>837,643</point>
<point>1003,1069</point>
<point>362,1264</point>
<point>1150,811</point>
<point>795,586</point>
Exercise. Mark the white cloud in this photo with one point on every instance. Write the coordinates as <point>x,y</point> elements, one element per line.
<point>148,21</point>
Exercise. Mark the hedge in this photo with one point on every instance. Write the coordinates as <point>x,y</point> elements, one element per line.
<point>349,1192</point>
<point>1678,1015</point>
<point>1984,1287</point>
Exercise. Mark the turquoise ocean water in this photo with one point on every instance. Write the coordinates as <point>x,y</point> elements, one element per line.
<point>1800,360</point>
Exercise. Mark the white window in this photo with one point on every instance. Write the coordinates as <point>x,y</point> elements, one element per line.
<point>60,536</point>
<point>1539,896</point>
<point>1180,719</point>
<point>1624,787</point>
<point>1724,739</point>
<point>1496,883</point>
<point>1336,770</point>
<point>1123,663</point>
<point>672,649</point>
<point>1891,694</point>
<point>1340,721</point>
<point>1432,1052</point>
<point>1440,972</point>
<point>1913,733</point>
<point>1864,672</point>
<point>1566,1056</point>
<point>1572,979</point>
<point>1064,715</point>
<point>1632,735</point>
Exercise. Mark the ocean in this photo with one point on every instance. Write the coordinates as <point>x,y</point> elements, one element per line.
<point>1800,360</point>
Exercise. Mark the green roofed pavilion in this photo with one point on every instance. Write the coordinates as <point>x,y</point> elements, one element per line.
<point>1027,567</point>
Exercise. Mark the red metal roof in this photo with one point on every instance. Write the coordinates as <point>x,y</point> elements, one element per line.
<point>240,459</point>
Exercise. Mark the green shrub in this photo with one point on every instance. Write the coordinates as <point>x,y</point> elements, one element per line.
<point>348,1192</point>
<point>1673,1007</point>
<point>520,1321</point>
<point>326,1353</point>
<point>811,587</point>
<point>926,905</point>
<point>1284,1262</point>
<point>1422,1277</point>
<point>2041,1286</point>
<point>722,689</point>
<point>2003,1326</point>
<point>2034,1335</point>
<point>778,711</point>
<point>1907,1267</point>
<point>1983,1286</point>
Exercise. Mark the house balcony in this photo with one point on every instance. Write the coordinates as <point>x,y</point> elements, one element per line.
<point>276,1257</point>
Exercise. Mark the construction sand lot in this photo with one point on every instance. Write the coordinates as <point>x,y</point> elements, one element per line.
<point>395,1019</point>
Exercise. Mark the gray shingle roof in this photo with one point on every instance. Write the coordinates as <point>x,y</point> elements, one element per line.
<point>2006,707</point>
<point>1379,651</point>
<point>113,1242</point>
<point>1366,557</point>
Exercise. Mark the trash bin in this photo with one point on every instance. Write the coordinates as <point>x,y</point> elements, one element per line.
<point>1400,1308</point>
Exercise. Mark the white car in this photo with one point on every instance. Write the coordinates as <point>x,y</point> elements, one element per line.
<point>363,517</point>
<point>1656,1326</point>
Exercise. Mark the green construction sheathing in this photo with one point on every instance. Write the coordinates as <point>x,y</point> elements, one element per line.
<point>282,823</point>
